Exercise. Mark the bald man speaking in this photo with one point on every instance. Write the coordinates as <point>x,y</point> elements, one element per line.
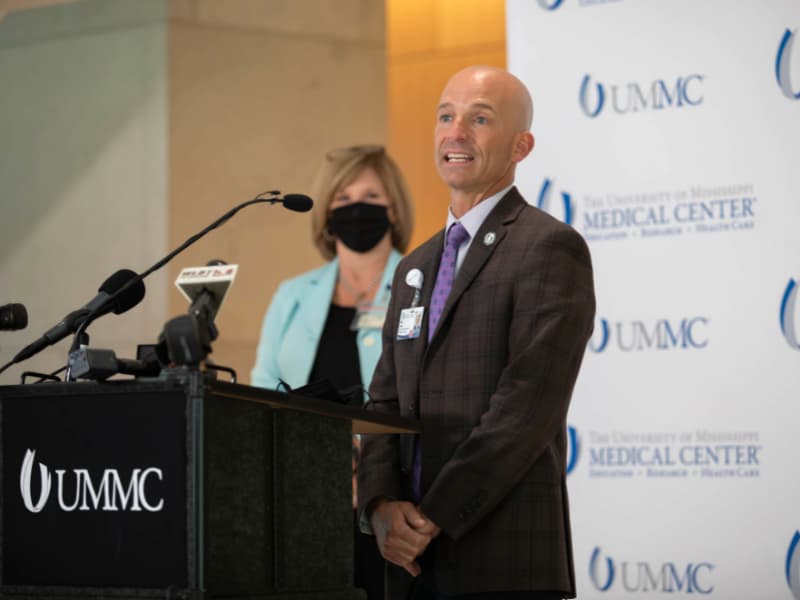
<point>482,342</point>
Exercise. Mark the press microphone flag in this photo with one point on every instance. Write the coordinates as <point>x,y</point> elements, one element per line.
<point>206,285</point>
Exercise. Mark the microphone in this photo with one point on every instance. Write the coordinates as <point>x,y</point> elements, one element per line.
<point>188,338</point>
<point>13,317</point>
<point>113,299</point>
<point>297,202</point>
<point>107,300</point>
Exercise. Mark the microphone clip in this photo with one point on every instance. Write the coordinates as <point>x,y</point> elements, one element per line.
<point>98,365</point>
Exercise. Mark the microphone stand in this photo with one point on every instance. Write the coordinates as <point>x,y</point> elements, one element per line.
<point>81,338</point>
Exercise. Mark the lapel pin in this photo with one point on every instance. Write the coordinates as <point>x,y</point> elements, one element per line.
<point>489,238</point>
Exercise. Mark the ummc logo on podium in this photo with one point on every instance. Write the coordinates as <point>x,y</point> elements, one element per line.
<point>783,65</point>
<point>641,576</point>
<point>632,97</point>
<point>84,494</point>
<point>25,483</point>
<point>793,566</point>
<point>787,315</point>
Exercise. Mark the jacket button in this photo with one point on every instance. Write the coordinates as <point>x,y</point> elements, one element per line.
<point>369,341</point>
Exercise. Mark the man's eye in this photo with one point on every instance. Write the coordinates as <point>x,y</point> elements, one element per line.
<point>481,120</point>
<point>445,118</point>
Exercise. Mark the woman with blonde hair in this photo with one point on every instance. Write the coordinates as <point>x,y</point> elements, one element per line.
<point>325,325</point>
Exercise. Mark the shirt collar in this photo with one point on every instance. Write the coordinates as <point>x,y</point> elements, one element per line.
<point>475,216</point>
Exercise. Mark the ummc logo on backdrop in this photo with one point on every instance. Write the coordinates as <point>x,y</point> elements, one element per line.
<point>107,494</point>
<point>549,4</point>
<point>606,574</point>
<point>793,566</point>
<point>573,448</point>
<point>543,202</point>
<point>632,97</point>
<point>787,315</point>
<point>661,334</point>
<point>554,4</point>
<point>783,63</point>
<point>691,210</point>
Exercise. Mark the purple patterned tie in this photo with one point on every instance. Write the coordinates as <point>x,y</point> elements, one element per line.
<point>456,236</point>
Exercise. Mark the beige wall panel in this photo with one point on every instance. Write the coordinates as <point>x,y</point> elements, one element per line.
<point>252,111</point>
<point>413,93</point>
<point>83,172</point>
<point>347,19</point>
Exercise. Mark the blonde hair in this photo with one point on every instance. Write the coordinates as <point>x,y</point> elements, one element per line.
<point>343,166</point>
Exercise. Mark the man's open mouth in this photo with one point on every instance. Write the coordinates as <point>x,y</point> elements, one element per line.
<point>457,157</point>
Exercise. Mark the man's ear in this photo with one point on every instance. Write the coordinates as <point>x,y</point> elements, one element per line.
<point>522,146</point>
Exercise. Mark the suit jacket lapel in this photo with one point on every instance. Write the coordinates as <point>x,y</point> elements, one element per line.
<point>489,237</point>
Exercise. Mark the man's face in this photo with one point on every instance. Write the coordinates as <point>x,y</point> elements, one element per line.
<point>476,132</point>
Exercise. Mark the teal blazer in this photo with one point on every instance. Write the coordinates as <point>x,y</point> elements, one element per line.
<point>293,325</point>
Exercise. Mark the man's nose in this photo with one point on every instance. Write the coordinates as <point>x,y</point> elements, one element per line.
<point>458,128</point>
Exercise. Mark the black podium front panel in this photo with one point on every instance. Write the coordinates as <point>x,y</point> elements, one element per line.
<point>94,488</point>
<point>177,487</point>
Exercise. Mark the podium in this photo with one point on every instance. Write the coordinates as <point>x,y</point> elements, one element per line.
<point>177,487</point>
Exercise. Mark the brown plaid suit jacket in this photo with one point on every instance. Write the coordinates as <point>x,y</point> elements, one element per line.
<point>492,390</point>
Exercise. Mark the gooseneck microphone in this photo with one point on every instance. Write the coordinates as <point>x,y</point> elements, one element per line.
<point>119,296</point>
<point>12,317</point>
<point>107,300</point>
<point>295,202</point>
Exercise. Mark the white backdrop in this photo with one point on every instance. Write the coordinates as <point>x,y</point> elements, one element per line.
<point>666,133</point>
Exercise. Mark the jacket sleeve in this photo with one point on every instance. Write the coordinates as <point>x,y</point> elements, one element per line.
<point>379,466</point>
<point>266,373</point>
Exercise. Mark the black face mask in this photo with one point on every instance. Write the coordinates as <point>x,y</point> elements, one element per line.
<point>360,226</point>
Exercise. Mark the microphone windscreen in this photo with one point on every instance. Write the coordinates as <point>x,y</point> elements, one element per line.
<point>128,298</point>
<point>20,315</point>
<point>13,316</point>
<point>116,280</point>
<point>298,202</point>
